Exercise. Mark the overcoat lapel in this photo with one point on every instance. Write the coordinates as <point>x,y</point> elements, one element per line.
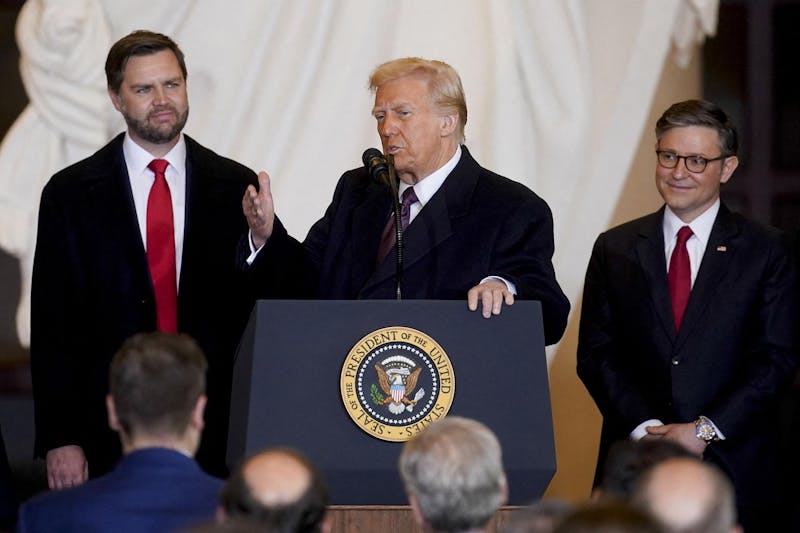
<point>369,219</point>
<point>432,226</point>
<point>109,199</point>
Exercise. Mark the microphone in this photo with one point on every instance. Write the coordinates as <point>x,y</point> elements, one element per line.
<point>382,171</point>
<point>376,164</point>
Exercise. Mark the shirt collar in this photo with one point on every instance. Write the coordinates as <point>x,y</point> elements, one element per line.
<point>701,226</point>
<point>427,187</point>
<point>137,158</point>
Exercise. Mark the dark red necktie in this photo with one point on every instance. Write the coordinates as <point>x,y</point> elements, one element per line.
<point>161,249</point>
<point>680,276</point>
<point>388,237</point>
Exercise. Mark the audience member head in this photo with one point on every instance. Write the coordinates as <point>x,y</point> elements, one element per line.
<point>609,517</point>
<point>688,496</point>
<point>281,490</point>
<point>138,43</point>
<point>542,516</point>
<point>453,475</point>
<point>444,84</point>
<point>627,460</point>
<point>156,397</point>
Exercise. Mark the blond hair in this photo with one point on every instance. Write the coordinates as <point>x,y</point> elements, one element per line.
<point>444,84</point>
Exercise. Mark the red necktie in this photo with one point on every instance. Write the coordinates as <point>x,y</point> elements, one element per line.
<point>161,249</point>
<point>388,237</point>
<point>680,276</point>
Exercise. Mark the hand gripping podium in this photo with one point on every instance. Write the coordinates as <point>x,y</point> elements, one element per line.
<point>292,364</point>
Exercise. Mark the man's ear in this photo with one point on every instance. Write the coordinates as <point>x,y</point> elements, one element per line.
<point>728,166</point>
<point>449,124</point>
<point>327,523</point>
<point>113,420</point>
<point>418,517</point>
<point>197,413</point>
<point>115,99</point>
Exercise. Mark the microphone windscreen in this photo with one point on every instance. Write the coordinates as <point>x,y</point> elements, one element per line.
<point>371,154</point>
<point>375,163</point>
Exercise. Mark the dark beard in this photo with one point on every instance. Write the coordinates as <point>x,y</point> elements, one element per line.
<point>152,134</point>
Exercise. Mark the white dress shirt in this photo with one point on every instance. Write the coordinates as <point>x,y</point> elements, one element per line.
<point>696,245</point>
<point>427,187</point>
<point>141,180</point>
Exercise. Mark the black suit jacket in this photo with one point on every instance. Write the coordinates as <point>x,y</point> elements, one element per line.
<point>732,359</point>
<point>92,289</point>
<point>477,224</point>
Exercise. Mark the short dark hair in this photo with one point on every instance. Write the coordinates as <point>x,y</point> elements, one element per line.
<point>701,113</point>
<point>627,460</point>
<point>539,517</point>
<point>238,525</point>
<point>138,43</point>
<point>305,515</point>
<point>155,380</point>
<point>609,517</point>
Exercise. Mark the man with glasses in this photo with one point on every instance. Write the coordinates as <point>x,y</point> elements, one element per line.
<point>686,332</point>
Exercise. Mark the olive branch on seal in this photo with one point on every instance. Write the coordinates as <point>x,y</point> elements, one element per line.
<point>375,395</point>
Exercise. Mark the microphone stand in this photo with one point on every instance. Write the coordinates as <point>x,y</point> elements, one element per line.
<point>398,226</point>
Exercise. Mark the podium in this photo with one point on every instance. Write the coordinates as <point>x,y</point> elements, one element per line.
<point>287,390</point>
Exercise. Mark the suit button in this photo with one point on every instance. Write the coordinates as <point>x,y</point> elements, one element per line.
<point>675,361</point>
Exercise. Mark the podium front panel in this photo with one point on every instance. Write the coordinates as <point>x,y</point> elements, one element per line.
<point>286,389</point>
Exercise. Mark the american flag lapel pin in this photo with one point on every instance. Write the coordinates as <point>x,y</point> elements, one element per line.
<point>722,248</point>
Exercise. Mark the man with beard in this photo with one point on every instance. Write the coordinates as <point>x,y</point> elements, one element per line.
<point>140,236</point>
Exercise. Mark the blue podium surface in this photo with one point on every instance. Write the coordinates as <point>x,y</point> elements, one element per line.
<point>289,385</point>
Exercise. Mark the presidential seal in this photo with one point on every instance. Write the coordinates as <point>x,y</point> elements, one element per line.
<point>396,381</point>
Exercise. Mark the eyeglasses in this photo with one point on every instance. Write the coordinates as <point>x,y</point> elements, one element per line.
<point>694,163</point>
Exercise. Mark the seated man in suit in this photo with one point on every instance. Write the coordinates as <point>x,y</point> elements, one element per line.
<point>157,384</point>
<point>688,325</point>
<point>469,233</point>
<point>278,489</point>
<point>453,474</point>
<point>688,496</point>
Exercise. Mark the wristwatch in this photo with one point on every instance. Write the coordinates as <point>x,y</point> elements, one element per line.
<point>704,430</point>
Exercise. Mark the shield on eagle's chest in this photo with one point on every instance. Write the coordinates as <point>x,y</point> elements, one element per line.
<point>398,391</point>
